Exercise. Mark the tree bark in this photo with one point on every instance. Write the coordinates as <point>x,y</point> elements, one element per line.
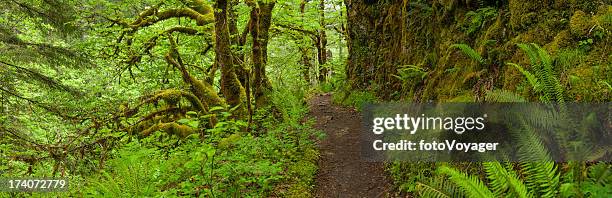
<point>230,85</point>
<point>322,43</point>
<point>261,17</point>
<point>304,48</point>
<point>375,40</point>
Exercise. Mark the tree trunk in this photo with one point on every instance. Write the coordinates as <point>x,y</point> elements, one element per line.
<point>304,48</point>
<point>230,85</point>
<point>235,41</point>
<point>376,36</point>
<point>322,43</point>
<point>261,17</point>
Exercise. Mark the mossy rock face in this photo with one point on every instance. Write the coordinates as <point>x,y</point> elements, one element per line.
<point>496,31</point>
<point>523,13</point>
<point>562,40</point>
<point>604,17</point>
<point>580,24</point>
<point>582,87</point>
<point>561,4</point>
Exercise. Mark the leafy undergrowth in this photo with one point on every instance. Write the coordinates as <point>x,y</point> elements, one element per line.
<point>277,158</point>
<point>356,99</point>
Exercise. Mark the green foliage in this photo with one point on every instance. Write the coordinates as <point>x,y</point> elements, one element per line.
<point>505,180</point>
<point>585,45</point>
<point>426,190</point>
<point>498,95</point>
<point>470,185</point>
<point>134,173</point>
<point>531,180</point>
<point>407,175</point>
<point>468,51</point>
<point>570,58</point>
<point>411,76</point>
<point>356,99</point>
<point>544,81</point>
<point>477,20</point>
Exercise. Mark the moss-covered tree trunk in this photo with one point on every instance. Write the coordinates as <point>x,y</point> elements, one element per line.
<point>237,41</point>
<point>322,43</point>
<point>304,48</point>
<point>261,17</point>
<point>360,62</point>
<point>375,40</point>
<point>230,85</point>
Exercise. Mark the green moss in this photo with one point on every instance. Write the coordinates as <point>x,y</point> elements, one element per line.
<point>170,128</point>
<point>561,40</point>
<point>604,17</point>
<point>580,24</point>
<point>495,31</point>
<point>522,13</point>
<point>465,97</point>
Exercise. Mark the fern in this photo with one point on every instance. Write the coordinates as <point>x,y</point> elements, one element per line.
<point>530,146</point>
<point>606,84</point>
<point>469,51</point>
<point>539,171</point>
<point>544,80</point>
<point>471,185</point>
<point>601,173</point>
<point>430,191</point>
<point>542,177</point>
<point>533,81</point>
<point>505,181</point>
<point>411,72</point>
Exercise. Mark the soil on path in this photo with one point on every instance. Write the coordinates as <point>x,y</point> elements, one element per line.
<point>342,172</point>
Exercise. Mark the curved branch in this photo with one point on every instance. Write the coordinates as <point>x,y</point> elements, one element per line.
<point>201,19</point>
<point>202,90</point>
<point>152,42</point>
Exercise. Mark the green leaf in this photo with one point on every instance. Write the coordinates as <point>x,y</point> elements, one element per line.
<point>183,121</point>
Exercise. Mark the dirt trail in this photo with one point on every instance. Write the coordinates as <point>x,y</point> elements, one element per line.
<point>342,172</point>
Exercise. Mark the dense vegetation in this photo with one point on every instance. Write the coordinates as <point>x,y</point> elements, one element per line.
<point>155,98</point>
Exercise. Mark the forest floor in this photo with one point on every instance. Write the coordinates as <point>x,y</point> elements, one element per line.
<point>342,172</point>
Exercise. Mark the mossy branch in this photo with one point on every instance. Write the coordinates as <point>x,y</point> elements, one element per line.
<point>152,42</point>
<point>198,11</point>
<point>201,90</point>
<point>170,96</point>
<point>170,128</point>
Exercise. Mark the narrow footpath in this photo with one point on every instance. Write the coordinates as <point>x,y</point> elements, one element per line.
<point>342,172</point>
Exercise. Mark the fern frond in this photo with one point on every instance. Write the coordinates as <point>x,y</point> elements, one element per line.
<point>606,84</point>
<point>505,181</point>
<point>530,145</point>
<point>533,81</point>
<point>530,52</point>
<point>541,63</point>
<point>543,118</point>
<point>410,72</point>
<point>469,51</point>
<point>601,173</point>
<point>542,177</point>
<point>552,85</point>
<point>500,95</point>
<point>472,186</point>
<point>430,191</point>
